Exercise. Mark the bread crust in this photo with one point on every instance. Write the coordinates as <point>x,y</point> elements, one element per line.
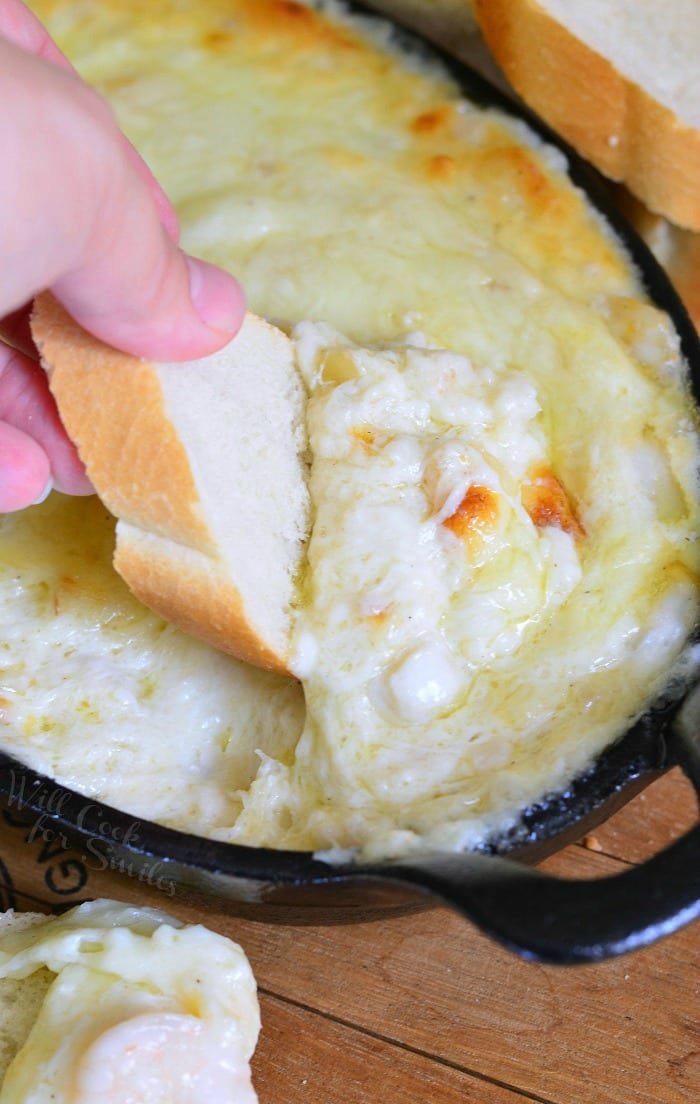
<point>611,120</point>
<point>130,448</point>
<point>197,597</point>
<point>165,551</point>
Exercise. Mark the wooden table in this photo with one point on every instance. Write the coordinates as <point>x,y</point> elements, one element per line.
<point>424,1008</point>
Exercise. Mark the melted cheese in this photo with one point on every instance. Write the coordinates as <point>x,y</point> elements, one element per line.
<point>516,489</point>
<point>460,617</point>
<point>95,690</point>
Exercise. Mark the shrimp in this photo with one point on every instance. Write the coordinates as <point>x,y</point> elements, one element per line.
<point>165,1058</point>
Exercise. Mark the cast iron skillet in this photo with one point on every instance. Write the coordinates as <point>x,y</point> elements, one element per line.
<point>536,915</point>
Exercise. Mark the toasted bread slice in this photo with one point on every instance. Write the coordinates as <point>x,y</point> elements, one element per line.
<point>203,465</point>
<point>618,81</point>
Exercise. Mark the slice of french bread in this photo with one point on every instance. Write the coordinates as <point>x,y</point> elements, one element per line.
<point>203,465</point>
<point>618,81</point>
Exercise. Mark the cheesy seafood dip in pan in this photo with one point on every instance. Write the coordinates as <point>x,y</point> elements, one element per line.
<point>503,565</point>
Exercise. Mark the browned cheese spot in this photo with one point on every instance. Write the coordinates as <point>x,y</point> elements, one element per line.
<point>291,9</point>
<point>364,435</point>
<point>475,517</point>
<point>441,168</point>
<point>547,503</point>
<point>429,123</point>
<point>216,39</point>
<point>298,24</point>
<point>512,171</point>
<point>379,616</point>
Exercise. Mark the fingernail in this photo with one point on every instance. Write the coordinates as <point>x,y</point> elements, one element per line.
<point>216,296</point>
<point>45,493</point>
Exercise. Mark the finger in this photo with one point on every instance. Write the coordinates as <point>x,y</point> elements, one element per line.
<point>70,186</point>
<point>24,469</point>
<point>27,406</point>
<point>19,25</point>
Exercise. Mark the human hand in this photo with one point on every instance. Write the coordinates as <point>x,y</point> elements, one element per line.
<point>80,213</point>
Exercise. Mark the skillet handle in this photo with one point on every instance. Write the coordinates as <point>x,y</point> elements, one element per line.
<point>547,919</point>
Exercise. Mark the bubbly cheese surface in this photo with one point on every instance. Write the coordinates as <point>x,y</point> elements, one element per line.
<point>137,1007</point>
<point>503,567</point>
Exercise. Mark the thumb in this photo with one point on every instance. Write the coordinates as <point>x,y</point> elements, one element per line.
<point>154,302</point>
<point>85,224</point>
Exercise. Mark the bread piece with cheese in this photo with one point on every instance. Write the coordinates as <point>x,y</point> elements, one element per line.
<point>203,465</point>
<point>112,1001</point>
<point>20,999</point>
<point>618,81</point>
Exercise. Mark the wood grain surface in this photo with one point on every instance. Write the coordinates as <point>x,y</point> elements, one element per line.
<point>423,1007</point>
